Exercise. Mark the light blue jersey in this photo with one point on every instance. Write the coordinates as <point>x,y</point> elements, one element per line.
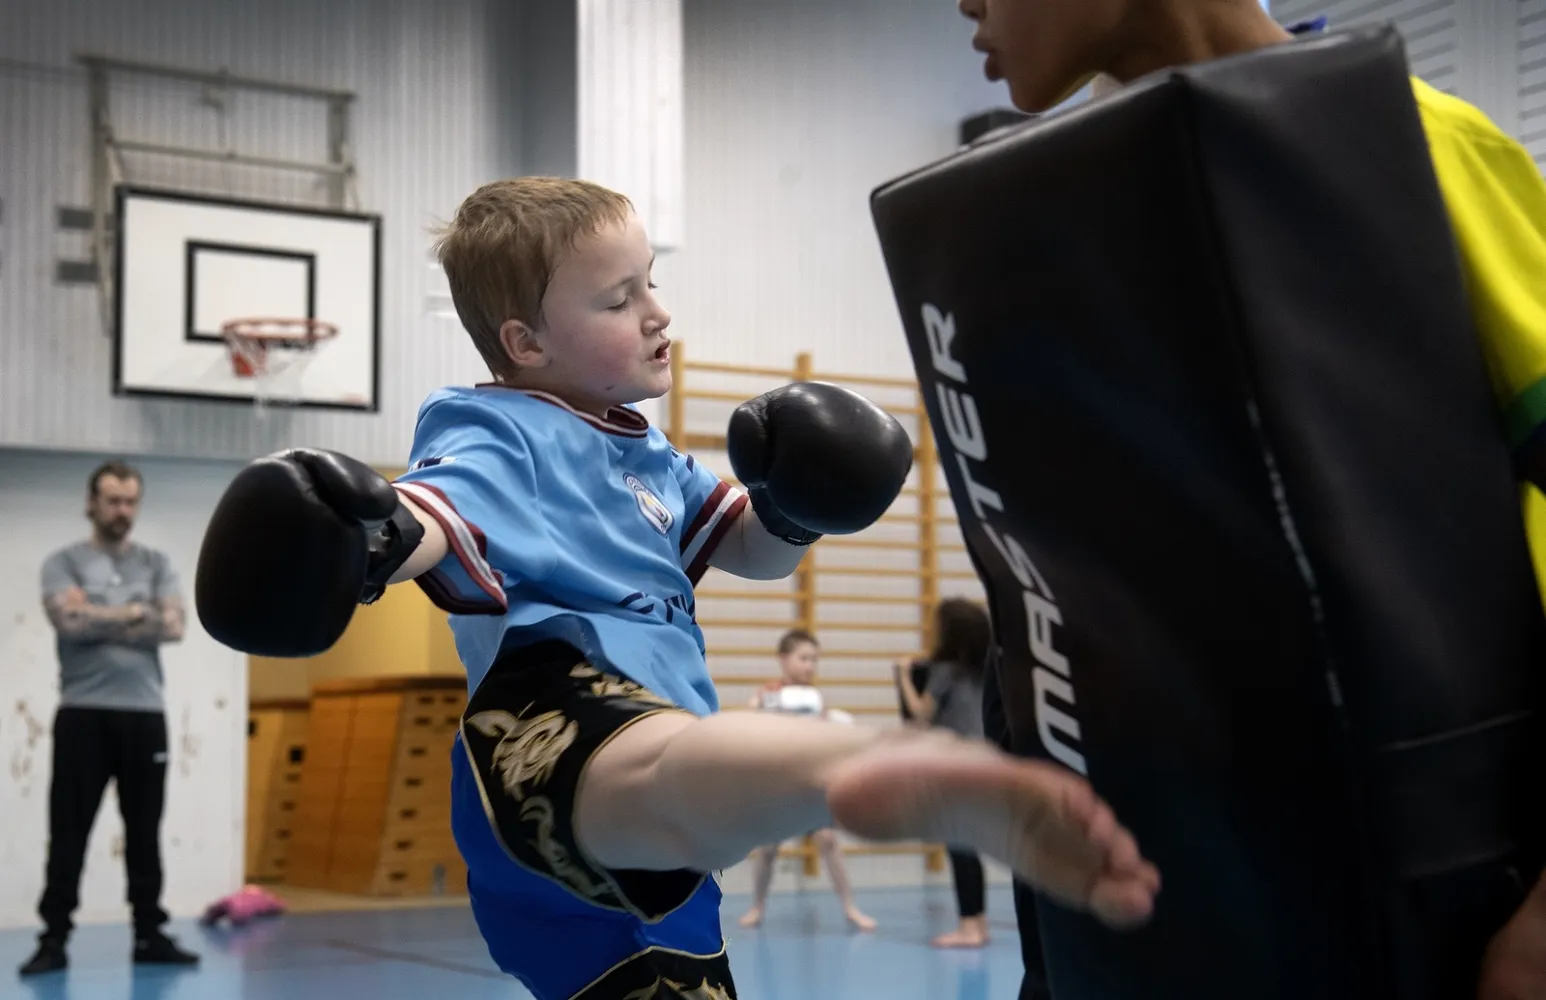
<point>565,525</point>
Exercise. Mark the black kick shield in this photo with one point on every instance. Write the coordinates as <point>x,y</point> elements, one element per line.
<point>1220,434</point>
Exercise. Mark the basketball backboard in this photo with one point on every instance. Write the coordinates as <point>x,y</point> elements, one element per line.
<point>187,264</point>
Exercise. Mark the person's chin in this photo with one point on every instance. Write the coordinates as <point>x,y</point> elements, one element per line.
<point>642,393</point>
<point>1032,101</point>
<point>657,386</point>
<point>1035,94</point>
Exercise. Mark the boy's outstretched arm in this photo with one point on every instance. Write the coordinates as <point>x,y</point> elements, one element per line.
<point>432,548</point>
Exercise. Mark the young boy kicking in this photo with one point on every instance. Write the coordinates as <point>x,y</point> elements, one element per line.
<point>595,787</point>
<point>1496,199</point>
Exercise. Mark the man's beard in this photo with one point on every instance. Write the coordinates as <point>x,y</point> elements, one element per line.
<point>115,531</point>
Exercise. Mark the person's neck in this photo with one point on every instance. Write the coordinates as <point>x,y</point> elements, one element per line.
<point>576,400</point>
<point>1180,34</point>
<point>110,546</point>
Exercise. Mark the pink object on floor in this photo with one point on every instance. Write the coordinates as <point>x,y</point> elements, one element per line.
<point>244,905</point>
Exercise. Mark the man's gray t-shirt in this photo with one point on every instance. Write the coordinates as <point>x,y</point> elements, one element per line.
<point>957,698</point>
<point>98,674</point>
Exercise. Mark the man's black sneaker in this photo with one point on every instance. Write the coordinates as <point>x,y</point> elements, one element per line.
<point>49,957</point>
<point>158,949</point>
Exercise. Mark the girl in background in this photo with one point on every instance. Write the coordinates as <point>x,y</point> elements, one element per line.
<point>795,693</point>
<point>952,699</point>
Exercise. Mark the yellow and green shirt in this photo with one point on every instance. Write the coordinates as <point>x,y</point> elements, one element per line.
<point>1496,199</point>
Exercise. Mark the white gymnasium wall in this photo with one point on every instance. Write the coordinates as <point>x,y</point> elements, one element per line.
<point>43,496</point>
<point>1489,52</point>
<point>435,117</point>
<point>1530,76</point>
<point>796,111</point>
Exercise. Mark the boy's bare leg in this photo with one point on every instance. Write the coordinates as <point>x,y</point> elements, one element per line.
<point>673,792</point>
<point>763,859</point>
<point>837,870</point>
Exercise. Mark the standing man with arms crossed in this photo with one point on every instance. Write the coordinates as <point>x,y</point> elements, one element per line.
<point>112,603</point>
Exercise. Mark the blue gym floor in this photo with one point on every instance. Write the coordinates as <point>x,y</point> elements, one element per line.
<point>804,951</point>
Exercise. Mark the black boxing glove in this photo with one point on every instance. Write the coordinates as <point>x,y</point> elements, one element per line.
<point>817,459</point>
<point>298,540</point>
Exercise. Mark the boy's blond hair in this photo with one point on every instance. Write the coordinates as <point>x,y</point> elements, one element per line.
<point>501,249</point>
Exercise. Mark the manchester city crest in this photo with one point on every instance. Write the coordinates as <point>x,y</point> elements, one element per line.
<point>654,511</point>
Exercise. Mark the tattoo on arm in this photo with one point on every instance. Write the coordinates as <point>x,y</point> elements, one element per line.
<point>172,619</point>
<point>74,617</point>
<point>164,621</point>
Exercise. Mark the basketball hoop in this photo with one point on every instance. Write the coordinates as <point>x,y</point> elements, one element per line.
<point>264,348</point>
<point>250,340</point>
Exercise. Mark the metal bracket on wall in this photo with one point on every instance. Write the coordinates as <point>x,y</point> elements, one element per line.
<point>108,147</point>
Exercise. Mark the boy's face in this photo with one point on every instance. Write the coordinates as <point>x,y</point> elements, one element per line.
<point>799,664</point>
<point>602,341</point>
<point>1044,49</point>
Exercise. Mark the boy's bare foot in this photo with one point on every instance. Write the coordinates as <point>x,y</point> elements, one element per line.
<point>973,933</point>
<point>752,917</point>
<point>1046,823</point>
<point>859,919</point>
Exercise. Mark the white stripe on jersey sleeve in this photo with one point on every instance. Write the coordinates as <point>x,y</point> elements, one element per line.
<point>462,536</point>
<point>722,504</point>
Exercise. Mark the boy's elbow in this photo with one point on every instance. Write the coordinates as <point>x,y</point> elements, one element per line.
<point>766,571</point>
<point>775,559</point>
<point>751,553</point>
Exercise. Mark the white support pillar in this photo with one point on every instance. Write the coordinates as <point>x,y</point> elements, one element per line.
<point>629,108</point>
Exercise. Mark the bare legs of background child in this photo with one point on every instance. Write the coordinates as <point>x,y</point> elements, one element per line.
<point>763,860</point>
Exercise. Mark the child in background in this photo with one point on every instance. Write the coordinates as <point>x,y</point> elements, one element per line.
<point>952,699</point>
<point>794,693</point>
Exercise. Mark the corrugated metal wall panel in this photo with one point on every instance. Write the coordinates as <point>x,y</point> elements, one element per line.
<point>1492,53</point>
<point>428,127</point>
<point>1532,77</point>
<point>1431,29</point>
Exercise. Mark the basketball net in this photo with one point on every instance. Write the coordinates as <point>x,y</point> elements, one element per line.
<point>272,354</point>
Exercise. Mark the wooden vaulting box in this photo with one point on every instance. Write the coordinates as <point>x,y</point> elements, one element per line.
<point>374,816</point>
<point>370,806</point>
<point>276,754</point>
